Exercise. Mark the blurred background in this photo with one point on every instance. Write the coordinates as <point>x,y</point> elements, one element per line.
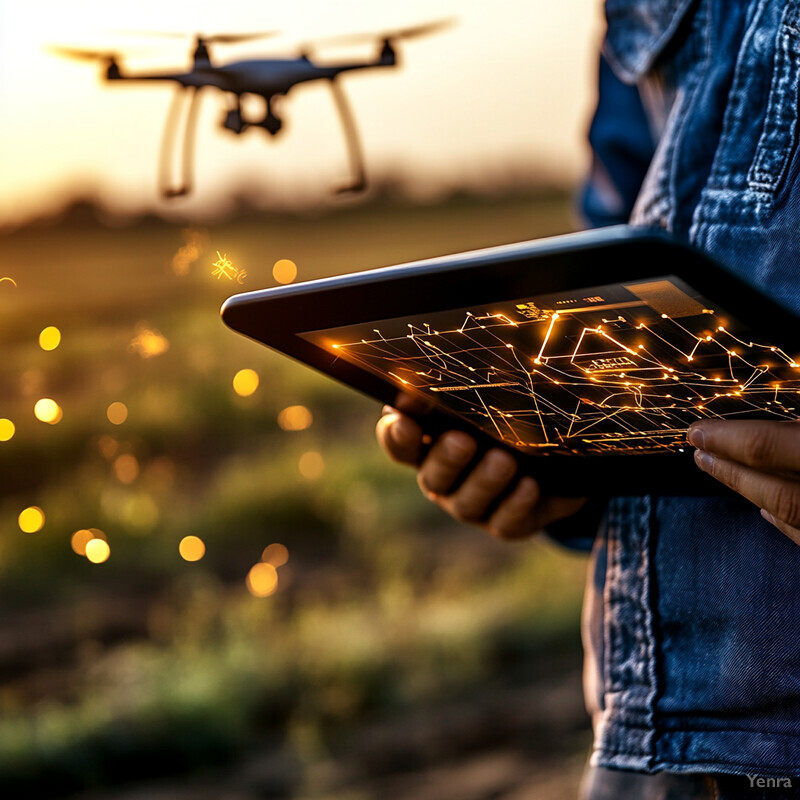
<point>212,583</point>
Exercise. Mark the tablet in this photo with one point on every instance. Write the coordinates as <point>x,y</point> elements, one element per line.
<point>586,355</point>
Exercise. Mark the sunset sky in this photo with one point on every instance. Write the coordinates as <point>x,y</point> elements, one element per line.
<point>508,87</point>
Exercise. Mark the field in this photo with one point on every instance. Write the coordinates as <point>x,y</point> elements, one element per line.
<point>393,653</point>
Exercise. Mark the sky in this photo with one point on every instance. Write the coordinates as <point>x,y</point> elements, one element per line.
<point>506,90</point>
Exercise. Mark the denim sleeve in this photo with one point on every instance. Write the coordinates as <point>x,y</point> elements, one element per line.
<point>622,146</point>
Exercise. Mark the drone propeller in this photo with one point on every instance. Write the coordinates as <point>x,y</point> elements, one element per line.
<point>217,38</point>
<point>384,36</point>
<point>234,38</point>
<point>77,54</point>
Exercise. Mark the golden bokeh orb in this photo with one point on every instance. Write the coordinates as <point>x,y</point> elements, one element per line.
<point>50,338</point>
<point>262,580</point>
<point>245,382</point>
<point>7,429</point>
<point>97,551</point>
<point>47,410</point>
<point>80,539</point>
<point>276,554</point>
<point>311,465</point>
<point>192,548</point>
<point>117,413</point>
<point>31,519</point>
<point>126,468</point>
<point>295,418</point>
<point>284,270</point>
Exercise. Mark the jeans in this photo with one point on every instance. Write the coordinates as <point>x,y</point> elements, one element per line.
<point>608,784</point>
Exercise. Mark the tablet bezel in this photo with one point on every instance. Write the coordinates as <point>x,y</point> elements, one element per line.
<point>276,317</point>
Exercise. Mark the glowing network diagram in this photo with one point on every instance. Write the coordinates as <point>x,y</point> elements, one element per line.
<point>608,370</point>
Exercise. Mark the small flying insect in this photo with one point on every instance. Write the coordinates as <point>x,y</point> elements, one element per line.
<point>268,78</point>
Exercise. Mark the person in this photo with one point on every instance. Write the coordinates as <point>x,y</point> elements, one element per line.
<point>691,613</point>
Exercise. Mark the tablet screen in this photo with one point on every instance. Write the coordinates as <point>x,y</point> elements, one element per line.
<point>606,370</point>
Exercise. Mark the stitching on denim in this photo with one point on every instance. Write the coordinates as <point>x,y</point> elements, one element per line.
<point>766,769</point>
<point>778,133</point>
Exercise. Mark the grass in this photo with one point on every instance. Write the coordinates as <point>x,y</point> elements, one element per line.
<point>158,666</point>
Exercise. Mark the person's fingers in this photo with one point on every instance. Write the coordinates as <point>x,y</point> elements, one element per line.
<point>525,511</point>
<point>400,437</point>
<point>445,462</point>
<point>765,445</point>
<point>777,495</point>
<point>412,404</point>
<point>515,517</point>
<point>481,487</point>
<point>788,530</point>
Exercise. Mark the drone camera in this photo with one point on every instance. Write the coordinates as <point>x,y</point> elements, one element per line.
<point>112,72</point>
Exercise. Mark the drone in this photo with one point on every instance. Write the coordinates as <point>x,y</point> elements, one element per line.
<point>268,78</point>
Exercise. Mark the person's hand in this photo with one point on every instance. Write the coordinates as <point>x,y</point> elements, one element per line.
<point>758,459</point>
<point>472,497</point>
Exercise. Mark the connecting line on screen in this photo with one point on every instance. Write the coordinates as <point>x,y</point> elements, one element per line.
<point>562,382</point>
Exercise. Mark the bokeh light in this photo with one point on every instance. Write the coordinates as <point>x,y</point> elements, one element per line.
<point>117,413</point>
<point>192,548</point>
<point>82,537</point>
<point>126,468</point>
<point>295,418</point>
<point>245,382</point>
<point>31,519</point>
<point>108,446</point>
<point>262,580</point>
<point>50,338</point>
<point>196,240</point>
<point>97,551</point>
<point>47,410</point>
<point>149,343</point>
<point>284,270</point>
<point>79,541</point>
<point>7,429</point>
<point>276,554</point>
<point>311,465</point>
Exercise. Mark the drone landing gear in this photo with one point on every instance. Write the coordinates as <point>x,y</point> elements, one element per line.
<point>354,152</point>
<point>166,186</point>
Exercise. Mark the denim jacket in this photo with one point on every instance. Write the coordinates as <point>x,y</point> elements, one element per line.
<point>692,618</point>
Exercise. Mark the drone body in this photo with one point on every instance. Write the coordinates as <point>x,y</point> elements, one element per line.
<point>267,78</point>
